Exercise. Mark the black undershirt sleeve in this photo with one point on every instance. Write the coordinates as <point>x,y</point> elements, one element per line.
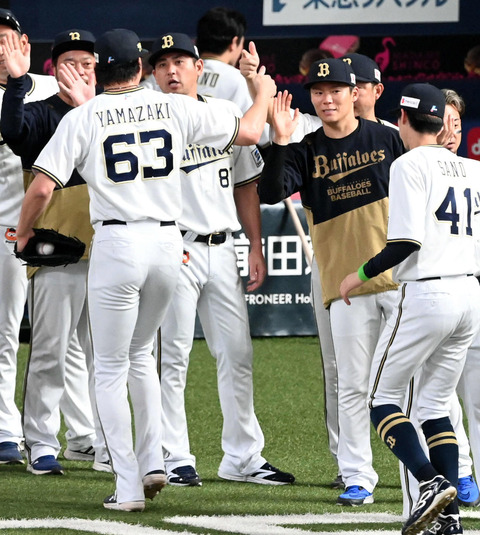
<point>271,187</point>
<point>390,256</point>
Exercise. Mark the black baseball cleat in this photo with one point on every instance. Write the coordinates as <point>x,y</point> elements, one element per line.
<point>110,502</point>
<point>10,453</point>
<point>184,476</point>
<point>445,525</point>
<point>265,475</point>
<point>435,495</point>
<point>338,483</point>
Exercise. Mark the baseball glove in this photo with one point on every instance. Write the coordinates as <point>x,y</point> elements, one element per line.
<point>50,248</point>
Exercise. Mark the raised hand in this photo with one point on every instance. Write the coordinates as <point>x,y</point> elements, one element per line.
<point>282,120</point>
<point>263,83</point>
<point>74,86</point>
<point>249,61</point>
<point>16,56</point>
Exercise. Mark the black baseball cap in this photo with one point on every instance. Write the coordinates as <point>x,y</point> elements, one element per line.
<point>423,98</point>
<point>7,18</point>
<point>72,40</point>
<point>330,70</point>
<point>118,46</point>
<point>365,69</point>
<point>172,42</point>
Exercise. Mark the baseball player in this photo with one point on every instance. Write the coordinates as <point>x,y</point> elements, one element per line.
<point>13,280</point>
<point>56,291</point>
<point>432,193</point>
<point>341,171</point>
<point>215,186</point>
<point>220,40</point>
<point>127,143</point>
<point>467,490</point>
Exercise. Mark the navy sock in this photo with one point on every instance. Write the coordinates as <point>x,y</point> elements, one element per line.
<point>443,446</point>
<point>398,433</point>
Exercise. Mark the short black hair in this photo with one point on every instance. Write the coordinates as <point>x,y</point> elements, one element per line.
<point>123,72</point>
<point>217,28</point>
<point>424,123</point>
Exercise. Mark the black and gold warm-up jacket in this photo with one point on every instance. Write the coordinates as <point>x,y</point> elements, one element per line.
<point>27,128</point>
<point>344,189</point>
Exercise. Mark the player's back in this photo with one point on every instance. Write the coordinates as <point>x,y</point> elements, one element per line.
<point>130,147</point>
<point>221,80</point>
<point>433,194</point>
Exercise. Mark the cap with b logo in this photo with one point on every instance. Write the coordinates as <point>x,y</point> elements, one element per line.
<point>330,70</point>
<point>72,40</point>
<point>117,47</point>
<point>7,18</point>
<point>423,98</point>
<point>172,42</point>
<point>365,69</point>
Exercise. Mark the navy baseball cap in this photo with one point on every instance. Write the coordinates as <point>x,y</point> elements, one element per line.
<point>72,40</point>
<point>330,70</point>
<point>117,47</point>
<point>7,18</point>
<point>365,69</point>
<point>172,42</point>
<point>423,98</point>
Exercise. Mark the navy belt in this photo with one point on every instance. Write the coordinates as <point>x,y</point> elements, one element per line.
<point>118,222</point>
<point>439,278</point>
<point>215,238</point>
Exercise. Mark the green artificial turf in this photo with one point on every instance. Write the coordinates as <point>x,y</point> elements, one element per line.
<point>289,406</point>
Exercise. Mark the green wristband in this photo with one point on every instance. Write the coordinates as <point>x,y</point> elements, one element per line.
<point>361,273</point>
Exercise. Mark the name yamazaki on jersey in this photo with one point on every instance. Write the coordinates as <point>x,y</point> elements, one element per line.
<point>136,114</point>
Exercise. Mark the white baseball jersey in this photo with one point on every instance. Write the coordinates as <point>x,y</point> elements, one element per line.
<point>109,155</point>
<point>221,80</point>
<point>306,124</point>
<point>208,177</point>
<point>432,197</point>
<point>11,176</point>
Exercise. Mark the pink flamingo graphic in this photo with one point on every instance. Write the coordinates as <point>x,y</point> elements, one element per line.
<point>383,58</point>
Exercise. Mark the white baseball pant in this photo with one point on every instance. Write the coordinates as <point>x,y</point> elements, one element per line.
<point>13,284</point>
<point>210,283</point>
<point>131,280</point>
<point>356,330</point>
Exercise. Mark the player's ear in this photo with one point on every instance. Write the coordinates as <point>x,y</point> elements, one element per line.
<point>354,94</point>
<point>199,67</point>
<point>379,88</point>
<point>23,40</point>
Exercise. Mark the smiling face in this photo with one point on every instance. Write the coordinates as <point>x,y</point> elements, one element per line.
<point>333,102</point>
<point>82,61</point>
<point>177,72</point>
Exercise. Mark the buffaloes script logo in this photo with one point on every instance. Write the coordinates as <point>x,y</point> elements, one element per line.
<point>74,36</point>
<point>323,70</point>
<point>344,164</point>
<point>167,41</point>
